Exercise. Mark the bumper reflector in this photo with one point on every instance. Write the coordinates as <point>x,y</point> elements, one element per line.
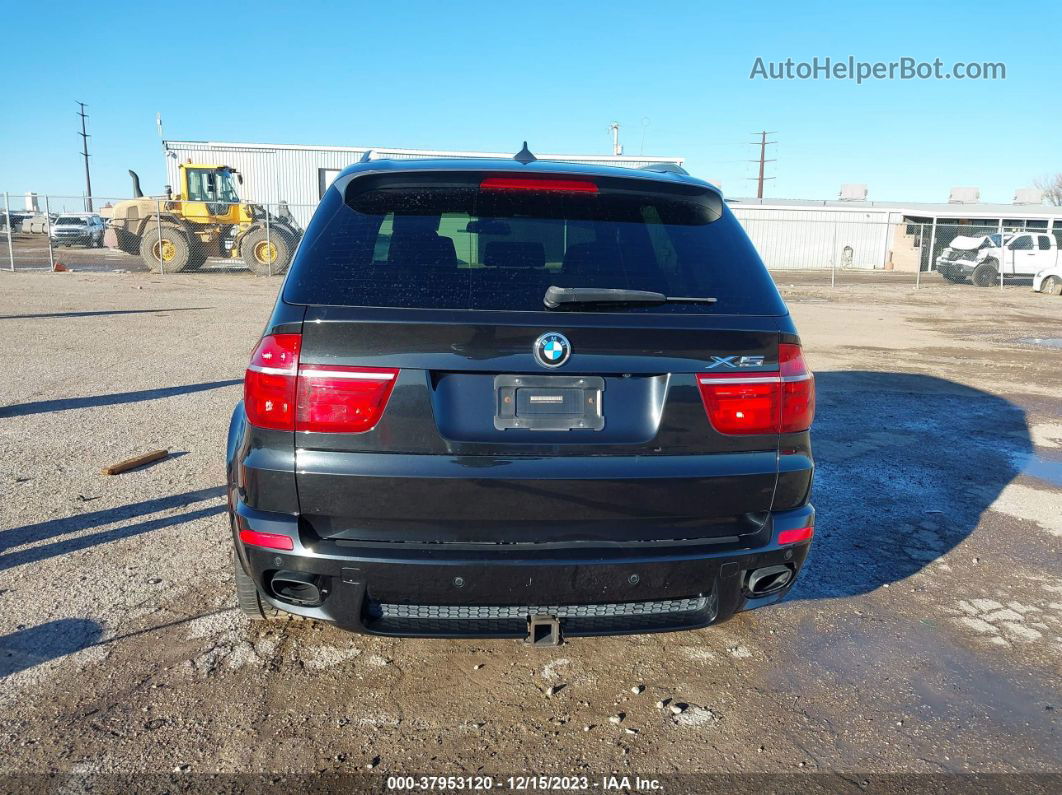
<point>267,540</point>
<point>796,535</point>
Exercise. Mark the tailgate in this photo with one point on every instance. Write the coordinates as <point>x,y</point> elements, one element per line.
<point>617,446</point>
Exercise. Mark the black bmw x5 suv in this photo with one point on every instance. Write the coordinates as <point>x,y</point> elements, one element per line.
<point>525,399</point>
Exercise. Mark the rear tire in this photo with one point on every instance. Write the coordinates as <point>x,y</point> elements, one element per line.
<point>197,261</point>
<point>985,275</point>
<point>1052,286</point>
<point>175,248</point>
<point>126,241</point>
<point>266,256</point>
<point>248,598</point>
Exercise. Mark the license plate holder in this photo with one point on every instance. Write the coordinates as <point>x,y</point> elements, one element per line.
<point>549,402</point>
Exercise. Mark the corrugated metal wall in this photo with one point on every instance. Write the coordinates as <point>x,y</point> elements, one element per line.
<point>269,175</point>
<point>293,175</point>
<point>800,239</point>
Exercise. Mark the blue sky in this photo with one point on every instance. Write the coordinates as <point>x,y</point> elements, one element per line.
<point>484,76</point>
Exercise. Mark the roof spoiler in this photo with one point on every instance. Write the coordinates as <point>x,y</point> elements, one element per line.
<point>665,168</point>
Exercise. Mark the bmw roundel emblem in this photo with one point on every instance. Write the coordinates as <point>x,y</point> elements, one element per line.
<point>552,349</point>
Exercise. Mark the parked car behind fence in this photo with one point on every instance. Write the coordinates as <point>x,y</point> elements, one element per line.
<point>982,259</point>
<point>82,229</point>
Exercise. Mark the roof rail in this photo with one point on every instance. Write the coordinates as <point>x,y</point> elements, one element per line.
<point>665,168</point>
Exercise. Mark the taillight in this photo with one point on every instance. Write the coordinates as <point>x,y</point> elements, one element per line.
<point>761,403</point>
<point>798,389</point>
<point>281,395</point>
<point>333,399</point>
<point>269,383</point>
<point>741,405</point>
<point>532,183</point>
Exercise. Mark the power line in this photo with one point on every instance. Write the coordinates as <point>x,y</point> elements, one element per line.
<point>84,151</point>
<point>763,142</point>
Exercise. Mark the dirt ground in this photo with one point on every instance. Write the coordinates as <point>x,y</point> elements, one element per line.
<point>925,634</point>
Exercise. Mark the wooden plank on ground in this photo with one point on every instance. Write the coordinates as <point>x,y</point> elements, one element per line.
<point>133,463</point>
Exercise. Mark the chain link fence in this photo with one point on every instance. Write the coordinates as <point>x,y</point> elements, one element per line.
<point>826,249</point>
<point>812,247</point>
<point>150,234</point>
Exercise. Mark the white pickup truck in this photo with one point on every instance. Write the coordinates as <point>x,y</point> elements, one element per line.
<point>982,259</point>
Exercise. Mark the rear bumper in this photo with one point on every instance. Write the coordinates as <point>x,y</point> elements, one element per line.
<point>378,497</point>
<point>490,590</point>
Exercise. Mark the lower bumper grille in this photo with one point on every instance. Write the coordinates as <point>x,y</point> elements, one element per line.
<point>385,610</point>
<point>512,619</point>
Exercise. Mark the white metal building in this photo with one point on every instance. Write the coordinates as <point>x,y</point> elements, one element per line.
<point>806,237</point>
<point>299,175</point>
<point>799,234</point>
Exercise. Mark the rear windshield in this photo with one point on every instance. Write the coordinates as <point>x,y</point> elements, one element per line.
<point>70,220</point>
<point>482,241</point>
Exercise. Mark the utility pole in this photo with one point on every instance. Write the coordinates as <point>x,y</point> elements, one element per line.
<point>763,142</point>
<point>85,152</point>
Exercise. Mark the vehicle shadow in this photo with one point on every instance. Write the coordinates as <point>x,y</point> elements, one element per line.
<point>905,466</point>
<point>43,531</point>
<point>93,401</point>
<point>30,646</point>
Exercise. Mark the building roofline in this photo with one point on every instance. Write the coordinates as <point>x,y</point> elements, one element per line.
<point>426,153</point>
<point>924,209</point>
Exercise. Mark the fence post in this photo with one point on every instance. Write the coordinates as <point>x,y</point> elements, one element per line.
<point>932,250</point>
<point>922,247</point>
<point>833,258</point>
<point>158,226</point>
<point>48,230</point>
<point>7,212</point>
<point>269,247</point>
<point>1002,255</point>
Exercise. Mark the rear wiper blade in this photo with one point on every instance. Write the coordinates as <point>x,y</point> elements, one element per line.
<point>557,297</point>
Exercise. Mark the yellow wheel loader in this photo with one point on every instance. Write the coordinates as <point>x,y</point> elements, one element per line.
<point>203,218</point>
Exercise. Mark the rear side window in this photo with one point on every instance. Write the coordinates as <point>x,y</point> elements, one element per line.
<point>481,241</point>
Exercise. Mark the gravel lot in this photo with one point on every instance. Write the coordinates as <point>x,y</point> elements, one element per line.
<point>925,634</point>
